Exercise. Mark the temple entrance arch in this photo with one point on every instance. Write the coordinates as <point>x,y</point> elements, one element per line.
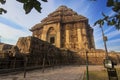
<point>51,36</point>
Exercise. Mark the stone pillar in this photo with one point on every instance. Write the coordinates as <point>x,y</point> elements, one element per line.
<point>84,31</point>
<point>79,37</point>
<point>85,40</point>
<point>67,37</point>
<point>92,39</point>
<point>58,38</point>
<point>43,36</point>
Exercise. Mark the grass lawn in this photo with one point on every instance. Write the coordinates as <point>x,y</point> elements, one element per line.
<point>100,75</point>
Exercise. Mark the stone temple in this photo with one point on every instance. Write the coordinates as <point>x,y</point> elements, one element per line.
<point>59,39</point>
<point>64,28</point>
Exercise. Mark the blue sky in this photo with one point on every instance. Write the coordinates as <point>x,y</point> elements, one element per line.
<point>16,23</point>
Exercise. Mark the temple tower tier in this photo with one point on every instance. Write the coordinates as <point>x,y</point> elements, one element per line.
<point>64,28</point>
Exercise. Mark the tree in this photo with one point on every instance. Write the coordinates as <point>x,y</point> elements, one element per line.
<point>28,5</point>
<point>1,9</point>
<point>111,20</point>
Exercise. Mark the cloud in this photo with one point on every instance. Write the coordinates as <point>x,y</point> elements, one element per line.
<point>108,30</point>
<point>10,23</point>
<point>77,4</point>
<point>114,41</point>
<point>10,30</point>
<point>85,9</point>
<point>97,34</point>
<point>114,48</point>
<point>111,45</point>
<point>113,34</point>
<point>111,13</point>
<point>11,34</point>
<point>99,45</point>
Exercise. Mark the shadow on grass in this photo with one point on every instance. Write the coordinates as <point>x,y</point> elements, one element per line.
<point>97,75</point>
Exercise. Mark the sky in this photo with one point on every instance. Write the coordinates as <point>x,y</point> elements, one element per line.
<point>16,23</point>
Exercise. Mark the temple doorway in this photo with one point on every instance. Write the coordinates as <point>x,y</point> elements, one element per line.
<point>51,36</point>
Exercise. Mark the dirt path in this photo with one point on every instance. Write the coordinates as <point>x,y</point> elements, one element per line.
<point>63,73</point>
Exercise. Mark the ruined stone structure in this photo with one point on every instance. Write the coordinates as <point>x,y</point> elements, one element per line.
<point>4,50</point>
<point>64,28</point>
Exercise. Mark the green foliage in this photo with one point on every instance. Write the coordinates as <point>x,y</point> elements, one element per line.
<point>22,1</point>
<point>110,3</point>
<point>37,6</point>
<point>100,22</point>
<point>44,0</point>
<point>116,7</point>
<point>2,1</point>
<point>1,9</point>
<point>111,20</point>
<point>28,5</point>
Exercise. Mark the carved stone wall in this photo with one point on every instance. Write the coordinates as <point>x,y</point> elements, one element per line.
<point>71,31</point>
<point>37,49</point>
<point>78,35</point>
<point>41,53</point>
<point>38,33</point>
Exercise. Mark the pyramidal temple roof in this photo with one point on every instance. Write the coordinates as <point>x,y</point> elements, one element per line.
<point>62,14</point>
